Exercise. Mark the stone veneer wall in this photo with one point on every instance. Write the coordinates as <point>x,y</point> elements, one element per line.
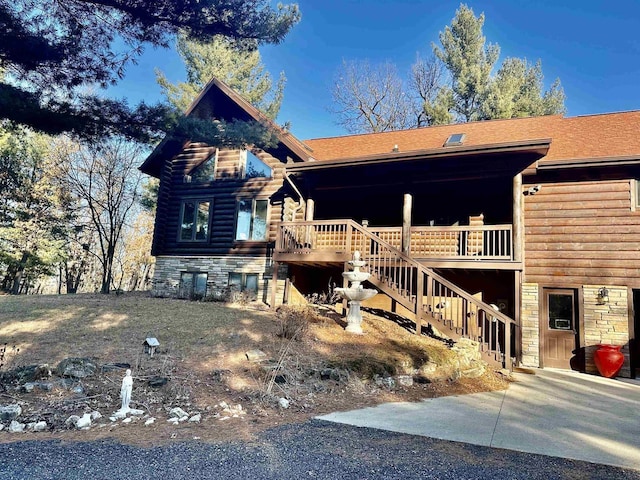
<point>608,323</point>
<point>530,325</point>
<point>166,278</point>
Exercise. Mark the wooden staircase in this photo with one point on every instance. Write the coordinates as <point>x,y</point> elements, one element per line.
<point>430,297</point>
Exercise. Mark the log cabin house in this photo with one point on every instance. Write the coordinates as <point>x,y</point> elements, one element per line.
<point>521,234</point>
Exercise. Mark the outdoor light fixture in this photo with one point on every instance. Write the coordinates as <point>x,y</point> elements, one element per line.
<point>603,296</point>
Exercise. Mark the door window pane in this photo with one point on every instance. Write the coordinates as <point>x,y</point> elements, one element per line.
<point>560,312</point>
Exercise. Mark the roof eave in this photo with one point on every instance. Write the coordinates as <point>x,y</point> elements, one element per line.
<point>539,146</point>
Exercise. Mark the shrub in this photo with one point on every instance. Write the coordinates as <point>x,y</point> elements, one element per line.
<point>294,321</point>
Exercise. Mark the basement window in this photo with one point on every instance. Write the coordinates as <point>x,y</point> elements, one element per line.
<point>243,282</point>
<point>193,285</point>
<point>455,139</point>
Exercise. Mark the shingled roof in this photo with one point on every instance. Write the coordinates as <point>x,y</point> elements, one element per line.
<point>608,135</point>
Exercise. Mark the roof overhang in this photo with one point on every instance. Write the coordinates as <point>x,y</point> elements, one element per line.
<point>628,160</point>
<point>538,147</point>
<point>421,166</point>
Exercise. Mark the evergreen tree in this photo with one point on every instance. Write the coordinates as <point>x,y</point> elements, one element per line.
<point>517,91</point>
<point>31,219</point>
<point>50,48</point>
<point>469,62</point>
<point>221,58</point>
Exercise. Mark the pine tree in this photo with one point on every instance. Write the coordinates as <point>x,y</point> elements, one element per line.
<point>221,58</point>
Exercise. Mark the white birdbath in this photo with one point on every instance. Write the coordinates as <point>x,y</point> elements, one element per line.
<point>355,293</point>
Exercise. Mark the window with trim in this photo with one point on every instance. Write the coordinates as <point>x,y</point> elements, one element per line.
<point>194,220</point>
<point>635,195</point>
<point>251,219</point>
<point>252,167</point>
<point>193,285</point>
<point>206,171</point>
<point>243,282</point>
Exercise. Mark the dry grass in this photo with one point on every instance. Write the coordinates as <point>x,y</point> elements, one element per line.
<point>202,350</point>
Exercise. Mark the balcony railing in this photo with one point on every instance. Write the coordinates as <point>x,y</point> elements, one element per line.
<point>486,242</point>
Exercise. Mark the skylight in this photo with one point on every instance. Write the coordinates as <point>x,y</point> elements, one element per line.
<point>454,139</point>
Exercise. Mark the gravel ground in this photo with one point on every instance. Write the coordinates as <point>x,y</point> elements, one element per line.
<point>314,449</point>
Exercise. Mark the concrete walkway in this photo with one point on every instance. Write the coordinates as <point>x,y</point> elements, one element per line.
<point>554,412</point>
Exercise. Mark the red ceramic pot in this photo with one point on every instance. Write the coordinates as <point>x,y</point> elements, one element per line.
<point>608,360</point>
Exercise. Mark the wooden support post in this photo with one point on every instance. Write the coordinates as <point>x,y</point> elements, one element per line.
<point>406,224</point>
<point>518,223</point>
<point>274,285</point>
<point>308,214</point>
<point>419,298</point>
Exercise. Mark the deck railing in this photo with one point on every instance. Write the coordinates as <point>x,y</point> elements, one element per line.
<point>416,287</point>
<point>486,242</point>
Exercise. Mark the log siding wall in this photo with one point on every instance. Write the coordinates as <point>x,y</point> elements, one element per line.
<point>223,192</point>
<point>579,233</point>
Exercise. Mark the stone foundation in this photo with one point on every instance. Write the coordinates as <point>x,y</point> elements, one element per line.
<point>166,279</point>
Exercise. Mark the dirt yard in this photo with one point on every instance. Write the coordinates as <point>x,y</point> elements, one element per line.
<point>203,359</point>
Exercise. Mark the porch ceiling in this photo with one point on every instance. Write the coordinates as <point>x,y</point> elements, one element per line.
<point>419,167</point>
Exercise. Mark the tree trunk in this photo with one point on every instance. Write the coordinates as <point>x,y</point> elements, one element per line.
<point>15,289</point>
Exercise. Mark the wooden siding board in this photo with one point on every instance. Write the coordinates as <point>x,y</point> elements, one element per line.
<point>582,233</point>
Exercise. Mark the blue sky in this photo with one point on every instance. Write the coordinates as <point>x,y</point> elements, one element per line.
<point>592,46</point>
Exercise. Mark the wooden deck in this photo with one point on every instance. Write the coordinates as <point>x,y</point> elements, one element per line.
<point>331,241</point>
<point>409,282</point>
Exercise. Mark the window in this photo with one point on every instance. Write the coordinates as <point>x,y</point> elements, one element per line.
<point>635,195</point>
<point>194,221</point>
<point>252,167</point>
<point>251,219</point>
<point>193,285</point>
<point>243,282</point>
<point>206,171</point>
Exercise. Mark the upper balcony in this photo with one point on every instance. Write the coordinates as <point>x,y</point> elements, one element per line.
<point>331,241</point>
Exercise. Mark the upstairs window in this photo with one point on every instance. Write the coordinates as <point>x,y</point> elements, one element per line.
<point>194,221</point>
<point>635,195</point>
<point>251,219</point>
<point>206,171</point>
<point>252,167</point>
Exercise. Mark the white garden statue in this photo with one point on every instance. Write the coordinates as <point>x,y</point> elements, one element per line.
<point>125,391</point>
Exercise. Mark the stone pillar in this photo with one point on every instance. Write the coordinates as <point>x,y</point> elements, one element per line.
<point>530,325</point>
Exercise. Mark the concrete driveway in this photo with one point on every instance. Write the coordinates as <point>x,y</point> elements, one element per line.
<point>553,412</point>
